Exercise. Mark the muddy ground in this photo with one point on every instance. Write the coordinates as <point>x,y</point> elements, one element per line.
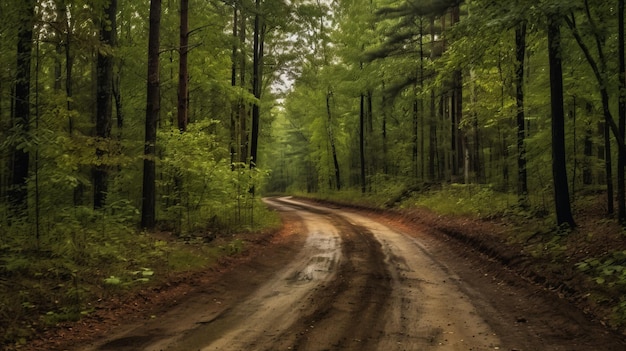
<point>346,279</point>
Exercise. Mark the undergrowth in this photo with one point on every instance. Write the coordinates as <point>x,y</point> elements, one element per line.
<point>87,256</point>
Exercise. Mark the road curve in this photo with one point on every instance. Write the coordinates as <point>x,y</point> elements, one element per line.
<point>355,285</point>
<point>350,282</point>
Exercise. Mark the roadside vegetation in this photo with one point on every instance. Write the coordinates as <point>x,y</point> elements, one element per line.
<point>84,262</point>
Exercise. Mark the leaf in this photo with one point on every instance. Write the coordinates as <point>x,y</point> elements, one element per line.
<point>113,280</point>
<point>147,273</point>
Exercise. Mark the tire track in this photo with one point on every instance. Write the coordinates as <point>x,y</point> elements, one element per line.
<point>346,313</point>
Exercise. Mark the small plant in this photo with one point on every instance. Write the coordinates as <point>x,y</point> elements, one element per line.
<point>611,270</point>
<point>142,275</point>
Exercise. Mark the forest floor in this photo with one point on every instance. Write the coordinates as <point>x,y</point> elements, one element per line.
<point>533,286</point>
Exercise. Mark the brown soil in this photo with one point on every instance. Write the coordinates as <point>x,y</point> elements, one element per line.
<point>516,296</point>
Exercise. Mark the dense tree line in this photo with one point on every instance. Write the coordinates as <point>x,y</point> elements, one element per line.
<point>519,97</point>
<point>166,120</point>
<point>156,109</point>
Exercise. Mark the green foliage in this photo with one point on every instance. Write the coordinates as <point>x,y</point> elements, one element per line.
<point>610,273</point>
<point>460,199</point>
<point>201,189</point>
<point>609,270</point>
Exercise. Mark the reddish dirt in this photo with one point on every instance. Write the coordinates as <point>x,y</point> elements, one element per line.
<point>493,274</point>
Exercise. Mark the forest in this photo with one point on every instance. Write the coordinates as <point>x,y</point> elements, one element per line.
<point>121,119</point>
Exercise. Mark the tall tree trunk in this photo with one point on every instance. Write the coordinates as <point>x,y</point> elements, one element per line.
<point>233,83</point>
<point>331,138</point>
<point>183,74</point>
<point>559,170</point>
<point>362,142</point>
<point>148,209</point>
<point>384,107</point>
<point>608,169</point>
<point>621,158</point>
<point>18,194</point>
<point>432,145</point>
<point>522,175</point>
<point>432,150</point>
<point>588,151</point>
<point>256,83</point>
<point>415,131</point>
<point>421,102</point>
<point>456,113</point>
<point>243,111</point>
<point>104,101</point>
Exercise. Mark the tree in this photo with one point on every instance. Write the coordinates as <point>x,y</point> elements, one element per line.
<point>18,195</point>
<point>257,78</point>
<point>621,156</point>
<point>104,82</point>
<point>183,73</point>
<point>599,68</point>
<point>559,170</point>
<point>331,138</point>
<point>520,54</point>
<point>148,209</point>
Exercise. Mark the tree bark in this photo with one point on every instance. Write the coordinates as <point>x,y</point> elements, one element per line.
<point>559,170</point>
<point>148,209</point>
<point>432,150</point>
<point>183,74</point>
<point>18,194</point>
<point>243,110</point>
<point>331,137</point>
<point>522,175</point>
<point>362,143</point>
<point>457,108</point>
<point>233,83</point>
<point>104,102</point>
<point>621,156</point>
<point>256,84</point>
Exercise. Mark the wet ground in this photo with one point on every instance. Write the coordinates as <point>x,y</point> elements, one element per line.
<point>343,279</point>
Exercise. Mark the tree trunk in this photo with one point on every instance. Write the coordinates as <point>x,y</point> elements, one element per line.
<point>18,194</point>
<point>559,170</point>
<point>362,142</point>
<point>621,158</point>
<point>243,111</point>
<point>587,164</point>
<point>384,131</point>
<point>148,209</point>
<point>608,169</point>
<point>257,72</point>
<point>183,74</point>
<point>432,146</point>
<point>104,107</point>
<point>415,130</point>
<point>522,175</point>
<point>332,142</point>
<point>233,83</point>
<point>456,114</point>
<point>432,150</point>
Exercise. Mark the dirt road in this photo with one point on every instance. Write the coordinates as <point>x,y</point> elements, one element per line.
<point>346,280</point>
